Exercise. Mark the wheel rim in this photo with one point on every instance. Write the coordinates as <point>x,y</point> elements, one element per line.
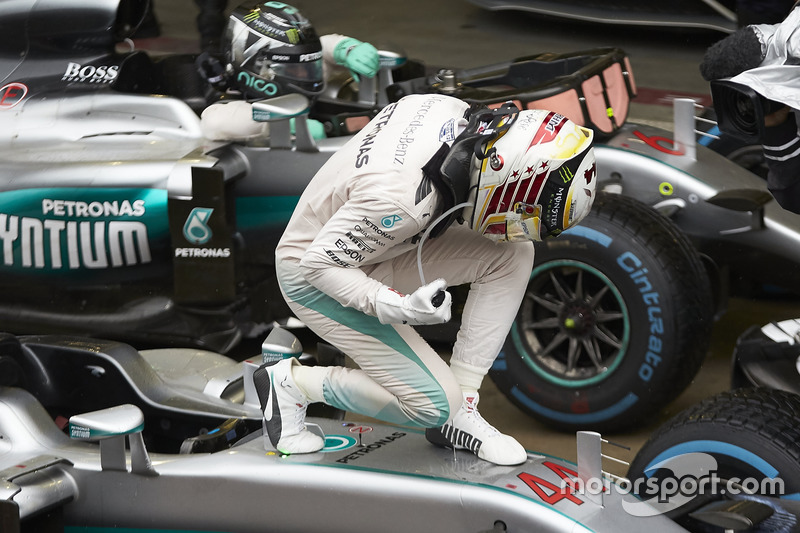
<point>573,327</point>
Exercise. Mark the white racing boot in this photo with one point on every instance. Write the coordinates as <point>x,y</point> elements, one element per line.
<point>467,430</point>
<point>284,406</point>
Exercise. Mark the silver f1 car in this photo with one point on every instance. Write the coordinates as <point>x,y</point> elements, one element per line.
<point>99,472</point>
<point>119,220</point>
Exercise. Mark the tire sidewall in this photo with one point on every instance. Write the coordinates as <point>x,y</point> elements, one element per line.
<point>740,455</point>
<point>751,433</point>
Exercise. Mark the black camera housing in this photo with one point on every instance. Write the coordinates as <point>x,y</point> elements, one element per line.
<point>741,110</point>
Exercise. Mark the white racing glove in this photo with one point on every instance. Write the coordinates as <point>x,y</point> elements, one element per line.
<point>416,309</point>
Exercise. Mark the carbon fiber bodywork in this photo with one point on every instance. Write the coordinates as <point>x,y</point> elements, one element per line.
<point>368,478</point>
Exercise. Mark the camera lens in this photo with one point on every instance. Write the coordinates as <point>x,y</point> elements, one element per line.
<point>744,115</point>
<point>739,109</point>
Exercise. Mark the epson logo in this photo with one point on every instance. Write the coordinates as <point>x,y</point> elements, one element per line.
<point>90,73</point>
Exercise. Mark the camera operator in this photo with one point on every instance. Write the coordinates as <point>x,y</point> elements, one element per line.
<point>781,147</point>
<point>766,58</point>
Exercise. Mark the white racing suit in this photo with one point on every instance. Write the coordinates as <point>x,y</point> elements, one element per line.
<point>356,228</point>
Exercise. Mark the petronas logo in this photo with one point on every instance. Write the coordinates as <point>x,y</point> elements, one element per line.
<point>196,229</point>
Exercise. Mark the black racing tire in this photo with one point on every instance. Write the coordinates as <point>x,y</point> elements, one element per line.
<point>754,434</point>
<point>615,323</point>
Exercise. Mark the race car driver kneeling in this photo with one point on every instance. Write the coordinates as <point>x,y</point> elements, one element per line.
<point>432,193</point>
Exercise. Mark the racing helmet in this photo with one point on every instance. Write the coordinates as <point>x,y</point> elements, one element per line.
<point>271,49</point>
<point>533,177</point>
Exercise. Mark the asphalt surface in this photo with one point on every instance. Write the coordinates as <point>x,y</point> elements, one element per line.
<point>457,34</point>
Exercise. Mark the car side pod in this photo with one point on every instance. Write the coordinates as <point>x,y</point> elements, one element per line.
<point>110,427</point>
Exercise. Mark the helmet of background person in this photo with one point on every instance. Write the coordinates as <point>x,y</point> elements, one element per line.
<point>272,49</point>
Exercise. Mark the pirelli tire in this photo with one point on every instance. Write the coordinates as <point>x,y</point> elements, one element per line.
<point>615,323</point>
<point>753,434</point>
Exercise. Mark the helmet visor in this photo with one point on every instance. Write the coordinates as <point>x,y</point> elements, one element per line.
<point>309,71</point>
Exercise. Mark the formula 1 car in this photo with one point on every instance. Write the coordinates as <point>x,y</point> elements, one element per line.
<point>182,392</point>
<point>120,221</point>
<point>99,471</point>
